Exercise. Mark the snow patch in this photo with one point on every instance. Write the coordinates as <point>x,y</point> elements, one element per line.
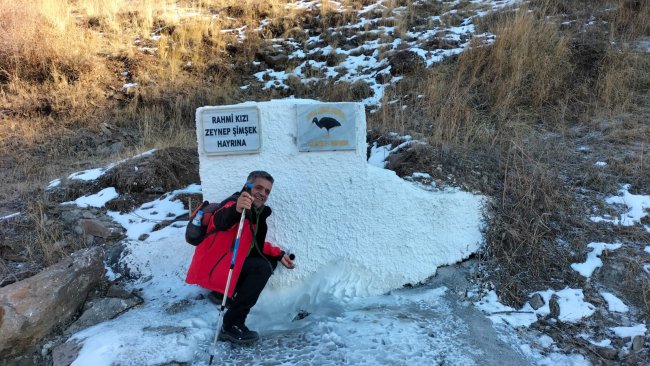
<point>633,331</point>
<point>573,308</point>
<point>638,208</point>
<point>98,199</point>
<point>593,258</point>
<point>614,303</point>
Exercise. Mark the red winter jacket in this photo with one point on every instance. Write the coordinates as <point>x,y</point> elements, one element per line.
<point>211,261</point>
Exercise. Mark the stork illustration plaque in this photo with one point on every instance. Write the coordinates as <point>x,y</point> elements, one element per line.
<point>326,127</point>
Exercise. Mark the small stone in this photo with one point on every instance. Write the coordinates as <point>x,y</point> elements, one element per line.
<point>607,352</point>
<point>102,310</point>
<point>118,292</point>
<point>60,245</point>
<point>637,343</point>
<point>536,301</point>
<point>78,230</point>
<point>554,306</point>
<point>94,228</point>
<point>70,216</point>
<point>302,314</point>
<point>622,353</point>
<point>66,353</point>
<point>177,307</point>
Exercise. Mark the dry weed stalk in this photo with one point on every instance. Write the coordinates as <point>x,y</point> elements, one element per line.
<point>6,275</point>
<point>46,237</point>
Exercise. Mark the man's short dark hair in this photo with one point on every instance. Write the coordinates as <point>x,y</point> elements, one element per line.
<point>258,174</point>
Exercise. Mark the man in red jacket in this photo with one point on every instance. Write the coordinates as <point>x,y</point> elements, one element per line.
<point>255,261</point>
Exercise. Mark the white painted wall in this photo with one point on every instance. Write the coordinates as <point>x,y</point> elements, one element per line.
<point>356,229</point>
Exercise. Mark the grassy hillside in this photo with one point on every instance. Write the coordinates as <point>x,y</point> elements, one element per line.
<point>558,75</point>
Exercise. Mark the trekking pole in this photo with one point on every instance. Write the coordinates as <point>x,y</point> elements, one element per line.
<point>213,348</point>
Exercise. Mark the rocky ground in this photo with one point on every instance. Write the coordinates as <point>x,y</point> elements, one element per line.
<point>83,296</point>
<point>364,59</point>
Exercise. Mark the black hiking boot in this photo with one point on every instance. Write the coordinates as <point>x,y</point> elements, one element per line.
<point>238,335</point>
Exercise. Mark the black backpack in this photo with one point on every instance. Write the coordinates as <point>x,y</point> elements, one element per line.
<point>195,234</point>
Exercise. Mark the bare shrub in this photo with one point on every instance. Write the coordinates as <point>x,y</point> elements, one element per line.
<point>573,7</point>
<point>475,169</point>
<point>625,73</point>
<point>524,223</point>
<point>632,19</point>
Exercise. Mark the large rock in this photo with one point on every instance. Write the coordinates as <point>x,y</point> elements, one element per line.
<point>33,307</point>
<point>95,227</point>
<point>101,310</point>
<point>66,353</point>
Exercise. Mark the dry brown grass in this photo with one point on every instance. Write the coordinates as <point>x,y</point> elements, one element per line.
<point>46,244</point>
<point>624,74</point>
<point>6,275</point>
<point>63,65</point>
<point>40,43</point>
<point>496,90</point>
<point>539,77</point>
<point>533,210</point>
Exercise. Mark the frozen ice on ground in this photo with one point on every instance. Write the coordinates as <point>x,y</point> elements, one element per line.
<point>560,359</point>
<point>409,326</point>
<point>143,219</point>
<point>378,155</point>
<point>545,341</point>
<point>93,174</point>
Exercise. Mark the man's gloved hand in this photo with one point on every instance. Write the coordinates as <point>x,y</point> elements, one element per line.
<point>244,202</point>
<point>287,262</point>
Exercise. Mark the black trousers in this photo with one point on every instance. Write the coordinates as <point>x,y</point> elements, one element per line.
<point>254,275</point>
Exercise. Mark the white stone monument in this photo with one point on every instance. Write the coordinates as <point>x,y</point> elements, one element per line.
<point>356,229</point>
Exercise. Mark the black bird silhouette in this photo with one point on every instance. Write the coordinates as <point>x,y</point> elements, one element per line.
<point>326,123</point>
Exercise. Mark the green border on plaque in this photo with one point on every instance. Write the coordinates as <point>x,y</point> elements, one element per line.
<point>326,126</point>
<point>231,130</point>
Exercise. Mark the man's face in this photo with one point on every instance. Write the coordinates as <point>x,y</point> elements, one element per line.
<point>260,192</point>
